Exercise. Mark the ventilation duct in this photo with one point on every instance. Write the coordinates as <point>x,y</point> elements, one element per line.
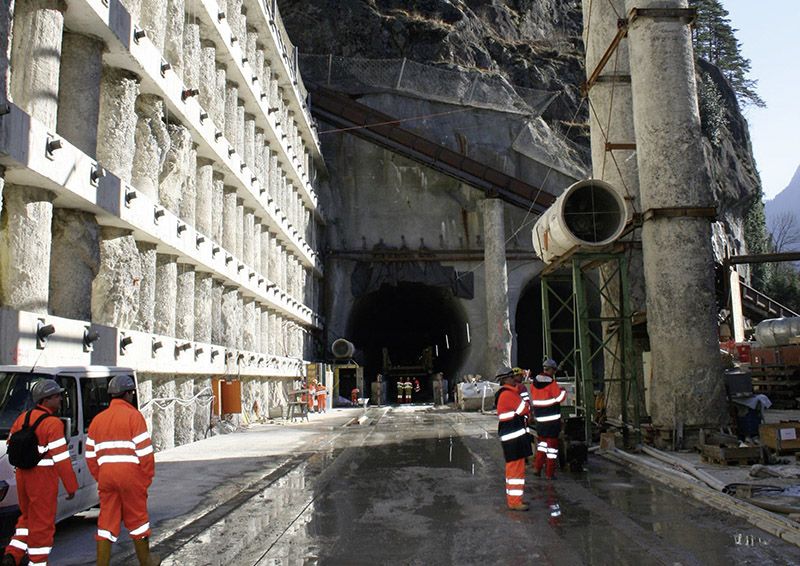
<point>589,215</point>
<point>342,348</point>
<point>778,331</point>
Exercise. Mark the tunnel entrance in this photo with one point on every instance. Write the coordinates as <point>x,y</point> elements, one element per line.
<point>410,330</point>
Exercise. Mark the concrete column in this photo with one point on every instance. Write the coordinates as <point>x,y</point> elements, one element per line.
<point>147,286</point>
<point>173,37</point>
<point>202,415</point>
<point>74,262</point>
<point>217,206</point>
<point>188,208</point>
<point>250,141</point>
<point>116,288</point>
<point>259,66</point>
<point>257,229</point>
<point>205,195</point>
<point>238,22</point>
<point>173,178</point>
<point>612,104</point>
<point>231,112</point>
<point>79,90</point>
<point>184,302</point>
<point>166,294</point>
<point>231,329</point>
<point>257,327</point>
<point>220,98</point>
<point>184,414</point>
<point>207,79</point>
<point>687,385</point>
<point>240,321</point>
<point>192,55</point>
<point>252,40</point>
<point>152,143</point>
<point>264,334</point>
<point>116,127</point>
<point>266,242</point>
<point>239,251</point>
<point>163,434</point>
<point>36,57</point>
<point>258,157</point>
<point>239,142</point>
<point>498,329</point>
<point>217,326</point>
<point>249,325</point>
<point>25,238</point>
<point>144,391</point>
<point>273,333</point>
<point>247,237</point>
<point>154,21</point>
<point>203,306</point>
<point>230,225</point>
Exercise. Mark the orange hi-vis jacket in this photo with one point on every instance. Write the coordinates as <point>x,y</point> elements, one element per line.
<point>512,413</point>
<point>55,462</point>
<point>119,443</point>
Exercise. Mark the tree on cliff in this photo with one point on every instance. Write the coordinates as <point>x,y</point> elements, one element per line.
<point>715,41</point>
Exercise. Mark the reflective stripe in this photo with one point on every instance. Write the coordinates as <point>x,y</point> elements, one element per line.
<point>561,396</point>
<point>553,450</point>
<point>116,459</point>
<point>143,529</point>
<point>56,443</point>
<point>59,457</point>
<point>45,462</point>
<point>541,449</point>
<point>552,456</point>
<point>548,418</point>
<point>144,436</point>
<point>108,445</point>
<point>18,544</point>
<point>91,454</point>
<point>21,532</point>
<point>145,451</point>
<point>515,481</point>
<point>506,416</point>
<point>89,441</point>
<point>39,550</point>
<point>545,402</point>
<point>521,407</point>
<point>512,435</point>
<point>517,492</point>
<point>106,534</point>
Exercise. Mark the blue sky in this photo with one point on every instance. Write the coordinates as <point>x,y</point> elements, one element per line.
<point>768,32</point>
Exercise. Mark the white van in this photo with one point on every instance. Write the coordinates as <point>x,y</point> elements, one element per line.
<point>85,395</point>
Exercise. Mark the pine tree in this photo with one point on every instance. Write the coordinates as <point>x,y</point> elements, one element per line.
<point>715,41</point>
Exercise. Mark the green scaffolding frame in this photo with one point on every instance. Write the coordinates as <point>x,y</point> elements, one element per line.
<point>614,341</point>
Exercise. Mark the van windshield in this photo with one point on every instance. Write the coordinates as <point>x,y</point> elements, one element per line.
<point>15,397</point>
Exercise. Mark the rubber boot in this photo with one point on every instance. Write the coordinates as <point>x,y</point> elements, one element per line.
<point>142,547</point>
<point>103,552</point>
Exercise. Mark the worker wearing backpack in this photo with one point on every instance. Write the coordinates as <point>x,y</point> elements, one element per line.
<point>37,485</point>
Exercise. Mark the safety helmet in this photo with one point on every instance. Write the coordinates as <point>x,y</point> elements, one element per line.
<point>121,384</point>
<point>503,372</point>
<point>550,363</point>
<point>45,388</point>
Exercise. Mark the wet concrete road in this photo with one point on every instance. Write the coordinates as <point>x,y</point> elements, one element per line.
<point>424,486</point>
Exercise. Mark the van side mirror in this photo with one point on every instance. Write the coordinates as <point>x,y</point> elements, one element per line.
<point>67,427</point>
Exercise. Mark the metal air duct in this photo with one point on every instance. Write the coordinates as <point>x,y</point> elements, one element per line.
<point>778,331</point>
<point>342,348</point>
<point>589,215</point>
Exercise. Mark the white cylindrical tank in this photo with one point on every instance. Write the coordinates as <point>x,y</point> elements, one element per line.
<point>778,331</point>
<point>590,214</point>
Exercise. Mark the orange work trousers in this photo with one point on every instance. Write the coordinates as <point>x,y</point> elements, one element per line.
<point>123,497</point>
<point>37,490</point>
<point>546,456</point>
<point>515,481</point>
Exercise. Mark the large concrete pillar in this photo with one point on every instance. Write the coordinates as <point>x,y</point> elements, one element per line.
<point>203,306</point>
<point>175,171</point>
<point>154,21</point>
<point>184,412</point>
<point>249,325</point>
<point>250,141</point>
<point>247,237</point>
<point>207,80</point>
<point>74,262</point>
<point>79,90</point>
<point>266,250</point>
<point>184,302</point>
<point>239,251</point>
<point>687,385</point>
<point>257,230</point>
<point>263,345</point>
<point>173,35</point>
<point>205,196</point>
<point>217,206</point>
<point>115,289</point>
<point>258,157</point>
<point>166,294</point>
<point>192,54</point>
<point>612,110</point>
<point>221,98</point>
<point>202,415</point>
<point>152,144</point>
<point>217,326</point>
<point>147,286</point>
<point>498,329</point>
<point>36,57</point>
<point>188,208</point>
<point>116,127</point>
<point>25,238</point>
<point>229,224</point>
<point>231,112</point>
<point>239,142</point>
<point>231,328</point>
<point>163,434</point>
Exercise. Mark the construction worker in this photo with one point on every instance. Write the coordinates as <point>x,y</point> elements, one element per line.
<point>512,414</point>
<point>546,398</point>
<point>322,398</point>
<point>354,396</point>
<point>312,396</point>
<point>408,387</point>
<point>37,487</point>
<point>120,457</point>
<point>520,377</point>
<point>401,389</point>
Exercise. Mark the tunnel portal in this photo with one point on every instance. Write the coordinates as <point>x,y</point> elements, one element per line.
<point>422,328</point>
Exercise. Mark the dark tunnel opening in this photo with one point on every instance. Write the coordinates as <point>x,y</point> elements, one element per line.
<point>423,330</point>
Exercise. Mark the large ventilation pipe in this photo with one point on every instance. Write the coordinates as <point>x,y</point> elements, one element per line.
<point>778,331</point>
<point>590,214</point>
<point>342,348</point>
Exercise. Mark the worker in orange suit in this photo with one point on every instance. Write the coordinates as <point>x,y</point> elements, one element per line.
<point>312,396</point>
<point>120,457</point>
<point>512,414</point>
<point>322,398</point>
<point>37,487</point>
